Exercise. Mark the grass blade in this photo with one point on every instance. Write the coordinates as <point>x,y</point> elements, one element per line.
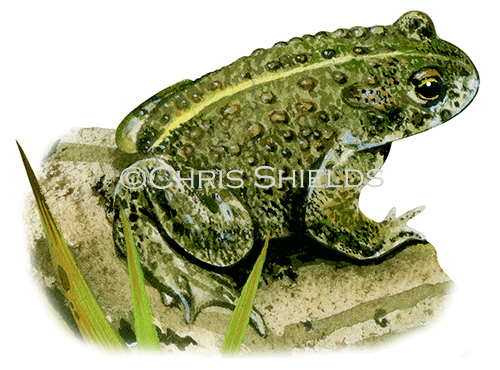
<point>241,315</point>
<point>88,314</point>
<point>145,331</point>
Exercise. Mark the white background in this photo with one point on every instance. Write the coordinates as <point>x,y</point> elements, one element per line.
<point>88,63</point>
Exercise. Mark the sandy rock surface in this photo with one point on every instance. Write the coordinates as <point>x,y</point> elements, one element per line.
<point>311,298</point>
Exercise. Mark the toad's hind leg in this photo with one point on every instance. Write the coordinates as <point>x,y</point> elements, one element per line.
<point>333,216</point>
<point>208,224</point>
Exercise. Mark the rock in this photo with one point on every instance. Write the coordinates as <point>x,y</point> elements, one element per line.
<point>310,297</point>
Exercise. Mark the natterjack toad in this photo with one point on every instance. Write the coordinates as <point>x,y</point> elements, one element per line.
<point>282,141</point>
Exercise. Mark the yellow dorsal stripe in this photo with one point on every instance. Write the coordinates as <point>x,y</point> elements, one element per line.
<point>268,77</point>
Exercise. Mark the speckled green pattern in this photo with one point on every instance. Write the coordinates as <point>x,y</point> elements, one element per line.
<point>332,102</point>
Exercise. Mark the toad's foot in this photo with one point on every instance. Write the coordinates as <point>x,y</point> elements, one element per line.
<point>181,283</point>
<point>397,225</point>
<point>395,232</point>
<point>192,291</point>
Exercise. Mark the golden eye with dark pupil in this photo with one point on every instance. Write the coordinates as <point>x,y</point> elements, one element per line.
<point>428,85</point>
<point>428,89</point>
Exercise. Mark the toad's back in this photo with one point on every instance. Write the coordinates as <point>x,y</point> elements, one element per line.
<point>291,100</point>
<point>286,106</point>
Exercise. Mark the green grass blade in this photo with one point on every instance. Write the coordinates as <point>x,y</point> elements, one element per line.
<point>88,314</point>
<point>145,331</point>
<point>241,315</point>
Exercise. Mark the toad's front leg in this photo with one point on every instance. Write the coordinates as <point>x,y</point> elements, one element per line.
<point>333,216</point>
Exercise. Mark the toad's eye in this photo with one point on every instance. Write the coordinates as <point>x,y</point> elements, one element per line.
<point>428,85</point>
<point>428,89</point>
